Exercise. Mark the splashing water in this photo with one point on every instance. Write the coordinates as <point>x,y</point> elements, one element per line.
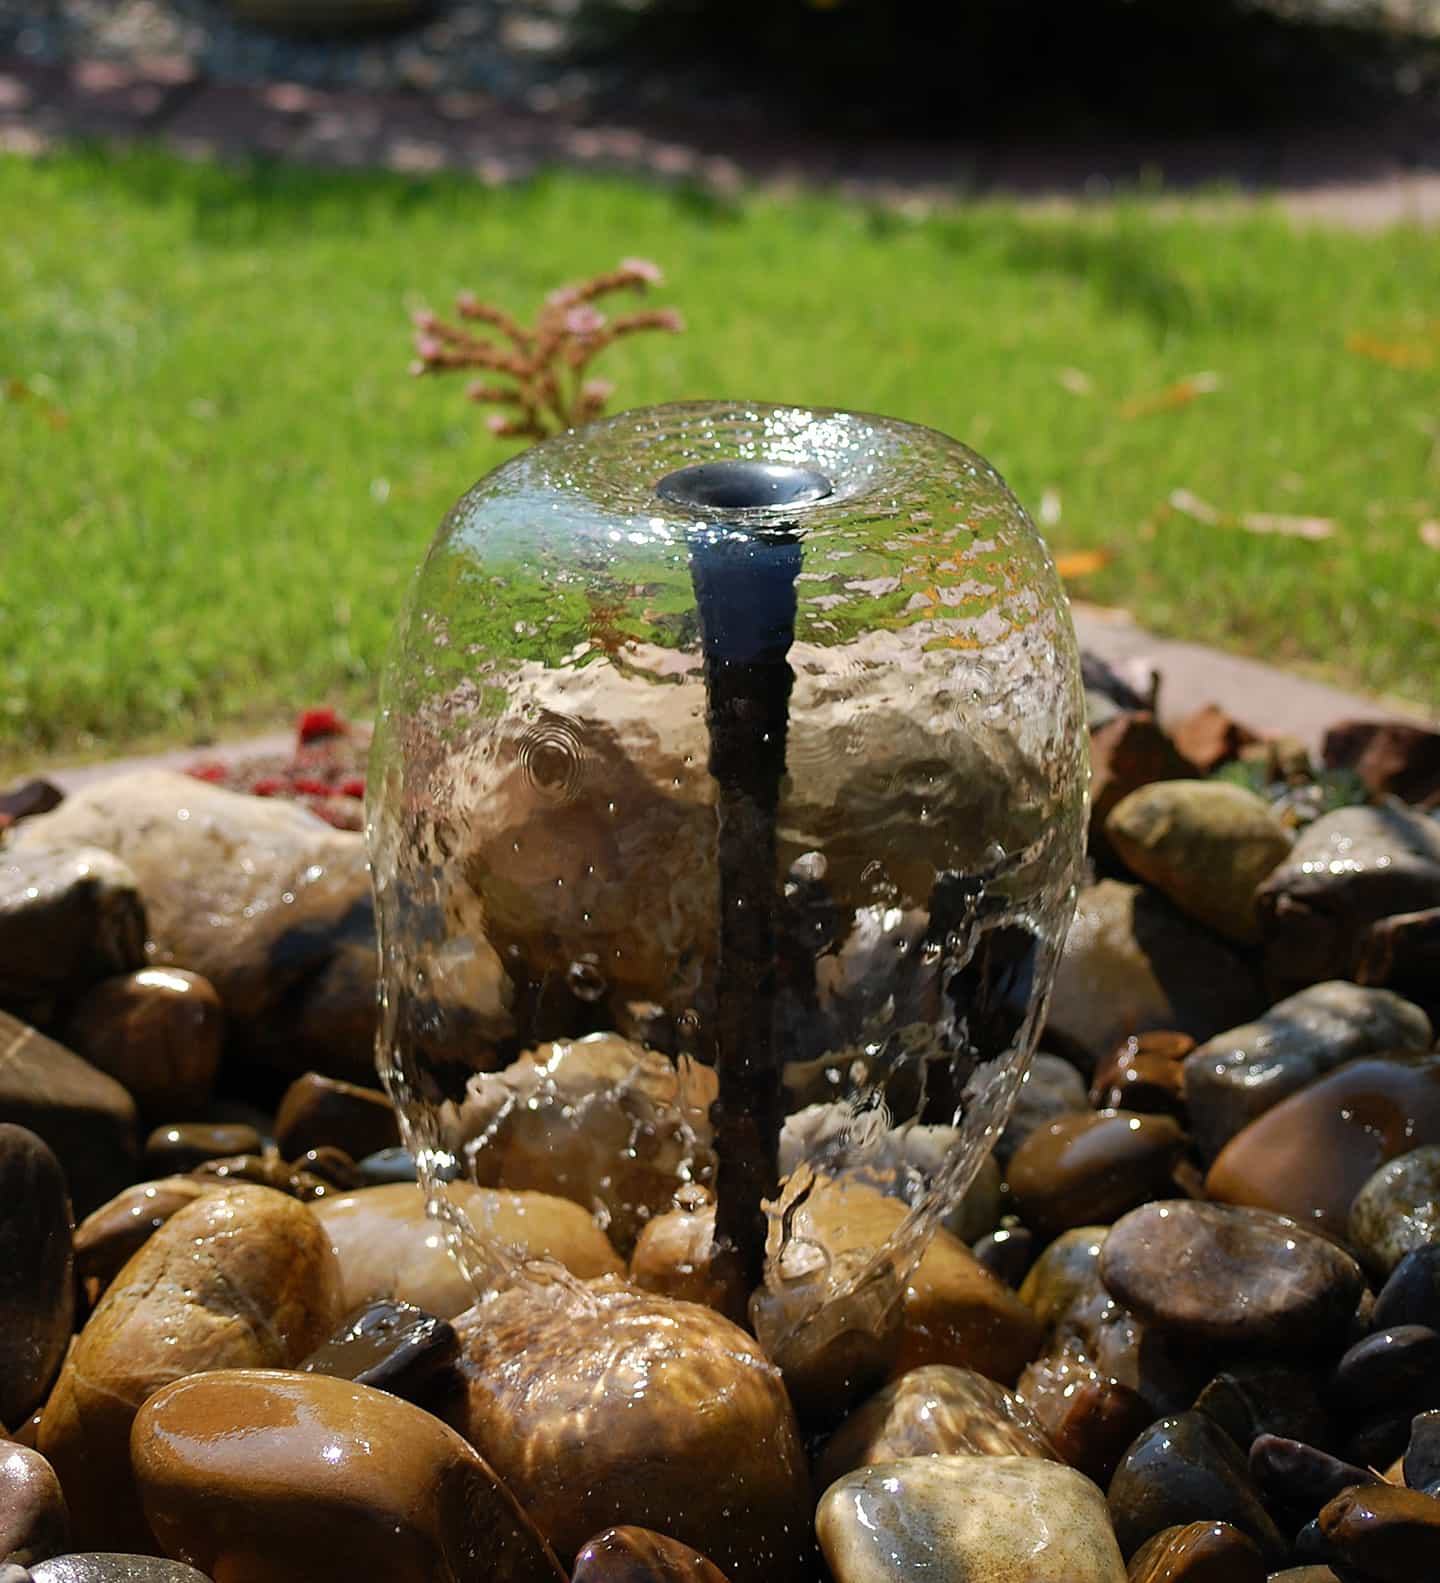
<point>725,847</point>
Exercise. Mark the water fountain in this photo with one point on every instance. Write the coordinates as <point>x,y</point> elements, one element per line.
<point>726,812</point>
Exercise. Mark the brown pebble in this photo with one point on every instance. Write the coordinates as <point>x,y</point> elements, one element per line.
<point>390,1345</point>
<point>181,1146</point>
<point>1087,1417</point>
<point>1203,1552</point>
<point>320,1110</point>
<point>37,1272</point>
<point>1144,1074</point>
<point>676,1256</point>
<point>110,1236</point>
<point>34,1523</point>
<point>638,1555</point>
<point>1391,1535</point>
<point>1091,1167</point>
<point>157,1032</point>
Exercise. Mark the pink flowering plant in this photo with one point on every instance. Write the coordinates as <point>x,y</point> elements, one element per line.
<point>539,376</point>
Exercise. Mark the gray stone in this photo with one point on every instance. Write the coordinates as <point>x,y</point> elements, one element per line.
<point>67,918</point>
<point>1206,844</point>
<point>1052,1087</point>
<point>968,1519</point>
<point>85,1117</point>
<point>101,1566</point>
<point>1133,963</point>
<point>37,1272</point>
<point>1241,1073</point>
<point>1346,871</point>
<point>1398,1209</point>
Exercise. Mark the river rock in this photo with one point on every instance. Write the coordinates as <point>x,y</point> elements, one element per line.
<point>598,1407</point>
<point>319,1110</point>
<point>968,1519</point>
<point>388,1245</point>
<point>1205,844</point>
<point>602,1121</point>
<point>1052,1087</point>
<point>392,1346</point>
<point>1210,737</point>
<point>1411,1296</point>
<point>1146,1073</point>
<point>1087,1168</point>
<point>1089,1418</point>
<point>1391,758</point>
<point>675,1255</point>
<point>1222,1276</point>
<point>1398,1209</point>
<point>110,1236</point>
<point>1311,1154</point>
<point>67,918</point>
<point>34,1523</point>
<point>1065,1274</point>
<point>1203,1552</point>
<point>1402,952</point>
<point>1296,1479</point>
<point>1183,1470</point>
<point>1421,1467</point>
<point>158,1033</point>
<point>1007,1252</point>
<point>1389,1535</point>
<point>1242,1073</point>
<point>85,1117</point>
<point>934,1411</point>
<point>243,1277</point>
<point>258,895</point>
<point>1258,1396</point>
<point>37,1271</point>
<point>182,1146</point>
<point>1126,752</point>
<point>638,1555</point>
<point>109,1567</point>
<point>1346,870</point>
<point>27,799</point>
<point>1397,1369</point>
<point>326,1480</point>
<point>1133,962</point>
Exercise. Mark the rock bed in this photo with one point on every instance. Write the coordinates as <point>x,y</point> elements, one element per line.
<point>1186,1323</point>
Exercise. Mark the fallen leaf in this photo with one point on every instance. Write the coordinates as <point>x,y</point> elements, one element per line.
<point>1394,354</point>
<point>1190,505</point>
<point>1082,563</point>
<point>1180,394</point>
<point>1076,381</point>
<point>1430,535</point>
<point>1287,527</point>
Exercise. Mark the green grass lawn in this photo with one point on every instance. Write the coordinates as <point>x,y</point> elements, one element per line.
<point>216,476</point>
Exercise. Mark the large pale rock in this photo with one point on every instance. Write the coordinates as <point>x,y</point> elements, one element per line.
<point>388,1245</point>
<point>269,903</point>
<point>1346,871</point>
<point>34,1523</point>
<point>87,1118</point>
<point>607,1405</point>
<point>1132,963</point>
<point>1205,844</point>
<point>1241,1073</point>
<point>240,1278</point>
<point>67,918</point>
<point>968,1519</point>
<point>37,1271</point>
<point>258,1476</point>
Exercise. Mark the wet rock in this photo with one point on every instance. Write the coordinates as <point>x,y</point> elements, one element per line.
<point>1398,1209</point>
<point>1388,1534</point>
<point>1242,1073</point>
<point>391,1346</point>
<point>1398,1368</point>
<point>1210,737</point>
<point>1145,1073</point>
<point>85,1117</point>
<point>1007,1253</point>
<point>1422,1454</point>
<point>1203,1552</point>
<point>1402,952</point>
<point>158,1033</point>
<point>109,1567</point>
<point>967,1517</point>
<point>1251,1398</point>
<point>1067,1273</point>
<point>601,1121</point>
<point>929,1412</point>
<point>1229,1277</point>
<point>1183,1470</point>
<point>1091,1167</point>
<point>1296,1480</point>
<point>1346,870</point>
<point>1389,757</point>
<point>28,799</point>
<point>1205,844</point>
<point>1127,752</point>
<point>387,1166</point>
<point>281,1500</point>
<point>170,1150</point>
<point>1132,963</point>
<point>1311,1154</point>
<point>243,1277</point>
<point>1305,1574</point>
<point>37,1272</point>
<point>110,1236</point>
<point>1380,1440</point>
<point>638,1555</point>
<point>67,918</point>
<point>1412,1294</point>
<point>597,1409</point>
<point>319,1110</point>
<point>266,901</point>
<point>1052,1087</point>
<point>34,1524</point>
<point>389,1246</point>
<point>1089,1418</point>
<point>676,1256</point>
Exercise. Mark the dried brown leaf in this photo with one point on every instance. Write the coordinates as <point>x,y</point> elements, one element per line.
<point>1180,394</point>
<point>1076,564</point>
